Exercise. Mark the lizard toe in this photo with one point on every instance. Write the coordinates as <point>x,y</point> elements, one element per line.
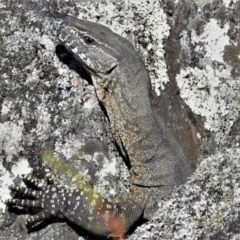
<point>25,191</point>
<point>23,202</point>
<point>33,219</point>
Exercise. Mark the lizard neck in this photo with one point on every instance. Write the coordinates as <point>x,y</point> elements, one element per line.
<point>129,107</point>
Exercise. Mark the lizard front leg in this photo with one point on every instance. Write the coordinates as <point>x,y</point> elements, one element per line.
<point>83,207</point>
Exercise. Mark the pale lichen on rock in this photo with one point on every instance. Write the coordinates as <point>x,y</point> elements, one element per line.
<point>210,90</point>
<point>211,96</point>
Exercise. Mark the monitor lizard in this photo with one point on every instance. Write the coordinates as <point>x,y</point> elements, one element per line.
<point>158,163</point>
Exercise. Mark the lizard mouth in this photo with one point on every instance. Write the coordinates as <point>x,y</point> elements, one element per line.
<point>98,74</point>
<point>91,71</point>
<point>110,70</point>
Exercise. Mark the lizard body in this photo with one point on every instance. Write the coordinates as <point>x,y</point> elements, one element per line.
<point>158,163</point>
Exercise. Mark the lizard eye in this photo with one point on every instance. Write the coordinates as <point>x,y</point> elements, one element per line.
<point>88,40</point>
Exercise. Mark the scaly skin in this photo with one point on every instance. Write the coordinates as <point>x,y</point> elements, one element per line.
<point>158,163</point>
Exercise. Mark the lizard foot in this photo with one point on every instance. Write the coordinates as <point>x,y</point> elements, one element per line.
<point>44,196</point>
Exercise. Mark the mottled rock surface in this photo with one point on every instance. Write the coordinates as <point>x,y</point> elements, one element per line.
<point>47,102</point>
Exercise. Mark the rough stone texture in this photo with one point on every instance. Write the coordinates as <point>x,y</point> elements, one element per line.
<point>47,101</point>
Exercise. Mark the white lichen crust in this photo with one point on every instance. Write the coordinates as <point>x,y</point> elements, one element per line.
<point>211,96</point>
<point>210,91</point>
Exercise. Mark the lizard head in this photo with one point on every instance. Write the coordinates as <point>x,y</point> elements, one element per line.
<point>102,53</point>
<point>98,48</point>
